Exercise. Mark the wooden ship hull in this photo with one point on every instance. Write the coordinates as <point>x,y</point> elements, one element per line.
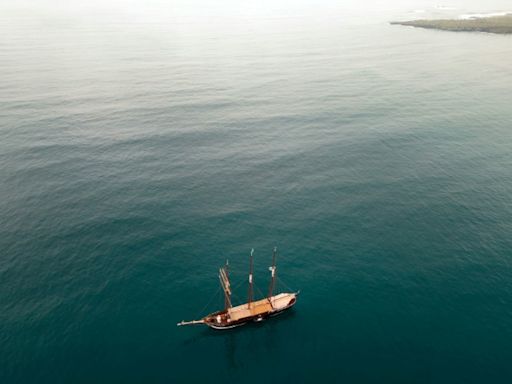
<point>257,311</point>
<point>252,311</point>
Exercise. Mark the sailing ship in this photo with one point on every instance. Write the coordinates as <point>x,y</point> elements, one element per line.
<point>253,310</point>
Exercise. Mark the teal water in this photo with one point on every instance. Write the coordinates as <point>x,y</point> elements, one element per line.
<point>141,147</point>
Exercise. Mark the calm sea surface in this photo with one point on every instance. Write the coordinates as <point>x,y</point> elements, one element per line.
<point>141,146</point>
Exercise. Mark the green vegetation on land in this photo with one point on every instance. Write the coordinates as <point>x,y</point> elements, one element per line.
<point>495,24</point>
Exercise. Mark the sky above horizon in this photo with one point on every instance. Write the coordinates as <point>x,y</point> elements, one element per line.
<point>208,8</point>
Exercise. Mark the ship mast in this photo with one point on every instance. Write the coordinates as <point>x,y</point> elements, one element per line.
<point>249,301</point>
<point>272,270</point>
<point>224,283</point>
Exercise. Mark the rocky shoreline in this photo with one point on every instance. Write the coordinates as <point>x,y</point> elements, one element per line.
<point>494,24</point>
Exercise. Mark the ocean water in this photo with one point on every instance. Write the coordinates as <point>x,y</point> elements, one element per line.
<point>142,145</point>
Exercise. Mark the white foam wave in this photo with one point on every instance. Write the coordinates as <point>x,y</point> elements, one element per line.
<point>470,16</point>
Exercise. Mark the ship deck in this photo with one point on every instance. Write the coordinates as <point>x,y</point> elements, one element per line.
<point>260,307</point>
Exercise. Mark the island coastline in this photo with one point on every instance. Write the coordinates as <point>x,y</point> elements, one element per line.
<point>493,24</point>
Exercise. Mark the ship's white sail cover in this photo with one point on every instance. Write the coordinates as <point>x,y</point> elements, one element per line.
<point>224,280</point>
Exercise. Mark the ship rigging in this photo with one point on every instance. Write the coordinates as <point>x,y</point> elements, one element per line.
<point>254,310</point>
